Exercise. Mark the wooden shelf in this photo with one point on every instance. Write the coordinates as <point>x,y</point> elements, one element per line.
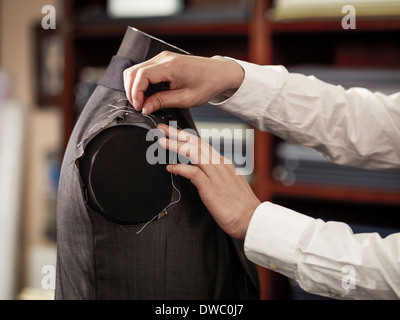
<point>334,25</point>
<point>220,23</point>
<point>339,193</point>
<point>113,29</point>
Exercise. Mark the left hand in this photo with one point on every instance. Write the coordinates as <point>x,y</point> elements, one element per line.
<point>193,80</point>
<point>227,196</point>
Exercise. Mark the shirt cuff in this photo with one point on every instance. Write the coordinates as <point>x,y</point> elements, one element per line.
<point>273,236</point>
<point>260,83</point>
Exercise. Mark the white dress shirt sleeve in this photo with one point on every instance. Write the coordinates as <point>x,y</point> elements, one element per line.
<point>353,127</point>
<point>325,258</point>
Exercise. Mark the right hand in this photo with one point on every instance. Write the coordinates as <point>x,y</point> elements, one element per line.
<point>227,196</point>
<point>193,80</point>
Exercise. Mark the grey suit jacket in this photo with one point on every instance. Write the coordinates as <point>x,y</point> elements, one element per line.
<point>183,255</point>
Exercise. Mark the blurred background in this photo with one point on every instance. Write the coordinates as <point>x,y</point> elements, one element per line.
<point>52,53</point>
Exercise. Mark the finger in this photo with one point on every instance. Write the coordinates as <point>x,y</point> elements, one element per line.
<point>177,134</point>
<point>199,150</point>
<point>129,75</point>
<point>171,145</point>
<point>175,98</point>
<point>193,173</point>
<point>139,87</point>
<point>191,146</point>
<point>182,142</point>
<point>145,76</point>
<point>128,82</point>
<point>182,148</point>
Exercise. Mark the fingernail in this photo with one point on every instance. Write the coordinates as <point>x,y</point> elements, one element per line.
<point>147,109</point>
<point>162,126</point>
<point>134,105</point>
<point>170,168</point>
<point>162,142</point>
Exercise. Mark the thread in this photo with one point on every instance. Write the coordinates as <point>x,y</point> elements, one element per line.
<point>165,210</point>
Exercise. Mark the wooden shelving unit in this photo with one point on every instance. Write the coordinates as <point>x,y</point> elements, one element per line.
<point>247,35</point>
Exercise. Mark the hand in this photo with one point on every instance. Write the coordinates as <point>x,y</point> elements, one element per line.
<point>227,196</point>
<point>193,80</point>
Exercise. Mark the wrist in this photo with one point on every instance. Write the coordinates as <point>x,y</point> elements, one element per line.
<point>232,75</point>
<point>248,217</point>
<point>242,225</point>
